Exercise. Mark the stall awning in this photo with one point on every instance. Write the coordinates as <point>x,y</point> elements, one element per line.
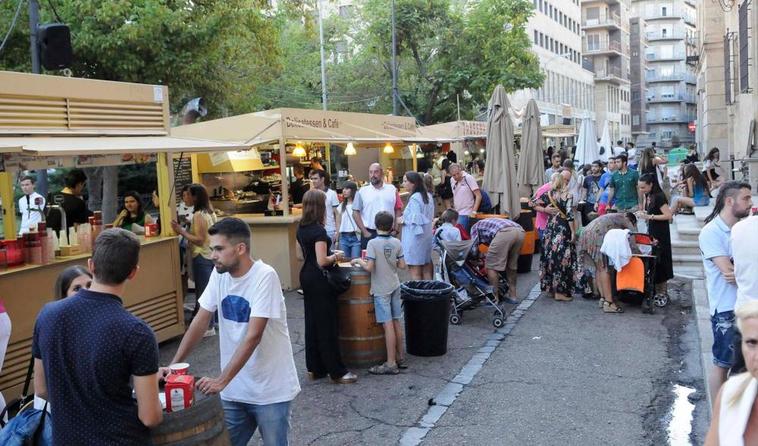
<point>109,145</point>
<point>451,132</point>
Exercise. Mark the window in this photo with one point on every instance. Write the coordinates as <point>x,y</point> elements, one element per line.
<point>593,15</point>
<point>536,37</point>
<point>744,49</point>
<point>636,120</point>
<point>664,11</point>
<point>593,42</point>
<point>542,40</point>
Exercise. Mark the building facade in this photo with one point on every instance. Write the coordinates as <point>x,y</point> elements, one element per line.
<point>671,105</point>
<point>728,84</point>
<point>567,95</point>
<point>605,51</point>
<point>638,68</point>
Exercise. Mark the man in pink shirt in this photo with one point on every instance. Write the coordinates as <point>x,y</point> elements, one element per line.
<point>466,194</point>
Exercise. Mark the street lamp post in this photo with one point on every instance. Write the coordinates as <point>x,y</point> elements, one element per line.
<point>394,62</point>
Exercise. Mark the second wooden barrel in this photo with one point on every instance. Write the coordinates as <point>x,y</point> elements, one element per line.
<point>361,338</point>
<point>202,424</point>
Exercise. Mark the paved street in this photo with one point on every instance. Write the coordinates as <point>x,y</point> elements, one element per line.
<point>565,373</point>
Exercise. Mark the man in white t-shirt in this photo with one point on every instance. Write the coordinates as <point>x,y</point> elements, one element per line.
<point>373,198</point>
<point>320,180</point>
<point>31,205</point>
<point>744,245</point>
<point>619,149</point>
<point>258,380</point>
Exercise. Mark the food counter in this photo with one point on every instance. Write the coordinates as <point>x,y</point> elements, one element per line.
<point>274,242</point>
<point>155,295</point>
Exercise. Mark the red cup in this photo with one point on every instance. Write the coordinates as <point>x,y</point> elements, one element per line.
<point>151,230</point>
<point>180,368</point>
<point>364,255</point>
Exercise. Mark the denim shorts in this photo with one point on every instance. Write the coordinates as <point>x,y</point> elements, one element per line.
<point>724,329</point>
<point>388,307</point>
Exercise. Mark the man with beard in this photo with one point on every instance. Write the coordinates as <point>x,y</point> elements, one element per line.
<point>258,380</point>
<point>732,204</point>
<point>372,199</point>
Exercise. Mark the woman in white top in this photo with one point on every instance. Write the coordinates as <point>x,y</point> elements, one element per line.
<point>348,234</point>
<point>711,167</point>
<point>735,415</point>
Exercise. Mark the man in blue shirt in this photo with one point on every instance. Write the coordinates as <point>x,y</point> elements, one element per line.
<point>87,348</point>
<point>605,179</point>
<point>732,204</point>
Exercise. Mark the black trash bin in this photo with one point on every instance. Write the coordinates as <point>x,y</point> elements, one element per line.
<point>426,305</point>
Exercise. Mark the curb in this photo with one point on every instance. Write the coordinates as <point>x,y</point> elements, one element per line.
<point>705,334</point>
<point>447,396</point>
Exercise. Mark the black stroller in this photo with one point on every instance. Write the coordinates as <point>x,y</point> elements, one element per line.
<point>457,267</point>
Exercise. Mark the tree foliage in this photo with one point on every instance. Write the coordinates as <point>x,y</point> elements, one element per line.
<point>222,50</point>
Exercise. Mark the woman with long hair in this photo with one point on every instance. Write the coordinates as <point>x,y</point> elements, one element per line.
<point>657,213</point>
<point>197,236</point>
<point>734,410</point>
<point>322,350</point>
<point>71,280</point>
<point>133,217</point>
<point>348,234</point>
<point>558,260</point>
<point>710,167</point>
<point>650,162</point>
<point>695,191</point>
<point>417,227</point>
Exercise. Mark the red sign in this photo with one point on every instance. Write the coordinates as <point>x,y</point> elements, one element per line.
<point>691,126</point>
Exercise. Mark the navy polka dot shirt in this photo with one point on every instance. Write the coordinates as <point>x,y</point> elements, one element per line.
<point>90,347</point>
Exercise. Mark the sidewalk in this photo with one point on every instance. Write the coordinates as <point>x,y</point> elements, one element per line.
<point>377,409</point>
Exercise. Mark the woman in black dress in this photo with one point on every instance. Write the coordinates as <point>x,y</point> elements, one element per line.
<point>558,260</point>
<point>322,351</point>
<point>658,215</point>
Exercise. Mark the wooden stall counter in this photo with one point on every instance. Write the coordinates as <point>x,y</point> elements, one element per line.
<point>274,241</point>
<point>155,295</point>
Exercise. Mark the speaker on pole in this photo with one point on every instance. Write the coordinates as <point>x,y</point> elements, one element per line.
<point>55,46</point>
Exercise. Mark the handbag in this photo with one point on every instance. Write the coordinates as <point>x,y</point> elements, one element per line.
<point>338,279</point>
<point>14,406</point>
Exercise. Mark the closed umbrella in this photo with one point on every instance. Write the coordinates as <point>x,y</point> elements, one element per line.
<point>530,174</point>
<point>605,143</point>
<point>499,170</point>
<point>586,146</point>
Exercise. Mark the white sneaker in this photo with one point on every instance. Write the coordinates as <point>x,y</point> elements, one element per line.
<point>209,332</point>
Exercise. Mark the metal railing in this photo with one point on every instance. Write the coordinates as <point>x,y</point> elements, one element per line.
<point>672,98</point>
<point>672,118</point>
<point>608,20</point>
<point>608,45</point>
<point>670,77</point>
<point>660,57</point>
<point>676,35</point>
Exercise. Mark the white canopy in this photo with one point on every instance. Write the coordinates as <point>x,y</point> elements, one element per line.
<point>586,147</point>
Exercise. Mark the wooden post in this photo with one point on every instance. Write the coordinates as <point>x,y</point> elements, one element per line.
<point>413,149</point>
<point>9,205</point>
<point>164,166</point>
<point>283,172</point>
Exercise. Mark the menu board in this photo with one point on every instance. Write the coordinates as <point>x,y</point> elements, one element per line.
<point>182,175</point>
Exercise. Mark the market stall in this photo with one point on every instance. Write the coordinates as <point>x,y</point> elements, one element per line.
<point>50,122</point>
<point>254,185</point>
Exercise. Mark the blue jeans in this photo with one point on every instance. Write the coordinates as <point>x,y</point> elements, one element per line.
<point>724,329</point>
<point>350,243</point>
<point>243,419</point>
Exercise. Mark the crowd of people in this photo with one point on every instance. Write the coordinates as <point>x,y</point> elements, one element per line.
<point>577,209</point>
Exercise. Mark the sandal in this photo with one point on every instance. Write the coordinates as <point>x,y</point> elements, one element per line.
<point>563,298</point>
<point>401,364</point>
<point>384,369</point>
<point>611,307</point>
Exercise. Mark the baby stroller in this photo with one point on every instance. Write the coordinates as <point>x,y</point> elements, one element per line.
<point>636,280</point>
<point>466,274</point>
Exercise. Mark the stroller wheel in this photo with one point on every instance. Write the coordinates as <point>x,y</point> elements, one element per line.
<point>661,300</point>
<point>497,322</point>
<point>455,319</point>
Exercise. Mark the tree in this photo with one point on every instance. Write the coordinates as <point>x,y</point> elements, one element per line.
<point>222,50</point>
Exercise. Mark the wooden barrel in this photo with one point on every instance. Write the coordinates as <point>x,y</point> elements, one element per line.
<point>526,220</point>
<point>361,338</point>
<point>202,424</point>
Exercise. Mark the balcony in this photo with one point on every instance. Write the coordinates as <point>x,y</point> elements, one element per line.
<point>612,74</point>
<point>676,35</point>
<point>672,13</point>
<point>670,77</point>
<point>669,98</point>
<point>654,57</point>
<point>609,21</point>
<point>600,48</point>
<point>674,118</point>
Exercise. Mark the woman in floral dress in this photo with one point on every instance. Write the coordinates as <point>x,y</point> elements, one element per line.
<point>558,260</point>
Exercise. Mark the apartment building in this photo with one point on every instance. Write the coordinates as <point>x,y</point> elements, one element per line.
<point>728,84</point>
<point>638,68</point>
<point>671,105</point>
<point>605,48</point>
<point>568,91</point>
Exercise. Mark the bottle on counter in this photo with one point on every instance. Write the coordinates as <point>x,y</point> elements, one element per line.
<point>52,245</point>
<point>34,248</point>
<point>42,236</point>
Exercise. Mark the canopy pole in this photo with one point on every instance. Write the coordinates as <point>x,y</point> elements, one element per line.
<point>9,207</point>
<point>414,160</point>
<point>283,172</point>
<point>164,166</point>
